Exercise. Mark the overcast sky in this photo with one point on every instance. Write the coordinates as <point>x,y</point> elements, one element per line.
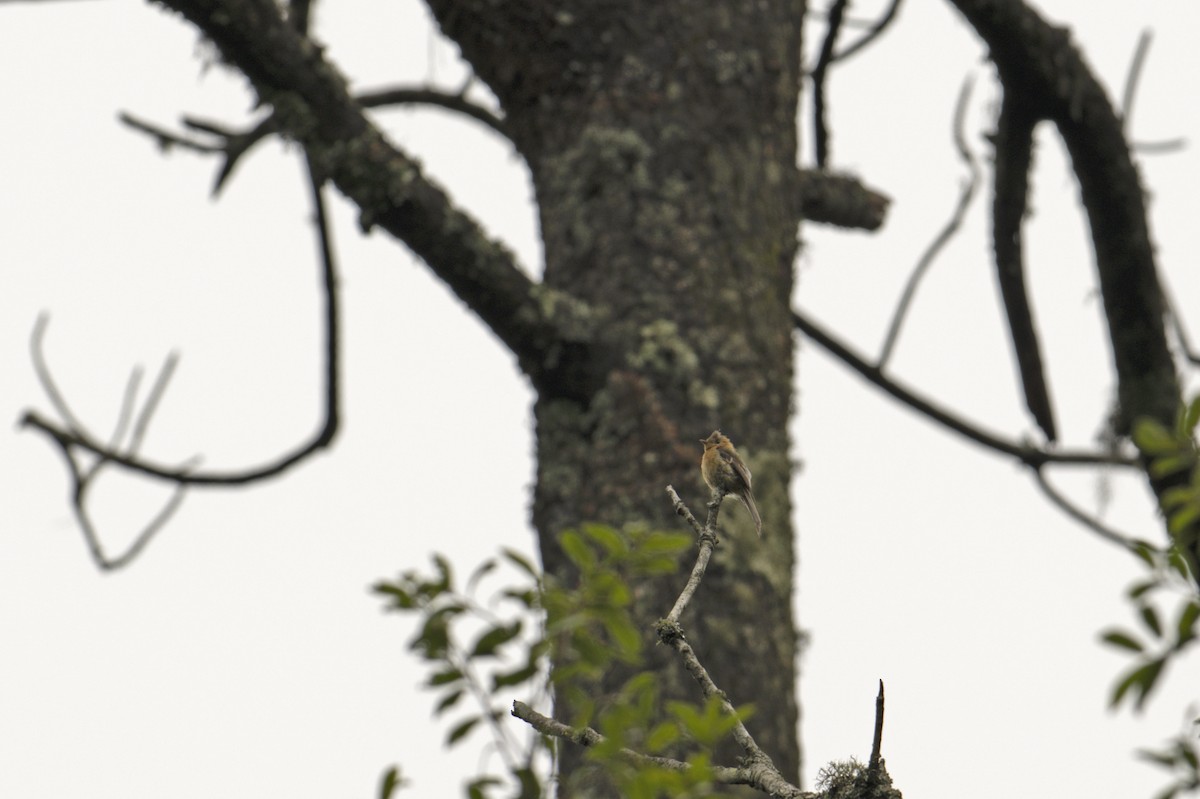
<point>242,655</point>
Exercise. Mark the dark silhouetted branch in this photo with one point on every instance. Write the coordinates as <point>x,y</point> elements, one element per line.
<point>1087,520</point>
<point>421,96</point>
<point>874,32</point>
<point>820,126</point>
<point>1013,161</point>
<point>1029,455</point>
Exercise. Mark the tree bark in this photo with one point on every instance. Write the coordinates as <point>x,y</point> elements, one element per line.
<point>662,143</point>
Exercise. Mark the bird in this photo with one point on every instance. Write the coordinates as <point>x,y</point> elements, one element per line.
<point>725,473</point>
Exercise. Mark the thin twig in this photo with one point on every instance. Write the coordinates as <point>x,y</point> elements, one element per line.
<point>708,540</point>
<point>1133,77</point>
<point>1087,520</point>
<point>873,33</point>
<point>42,370</point>
<point>404,95</point>
<point>1029,455</point>
<point>152,399</point>
<point>965,196</point>
<point>75,436</point>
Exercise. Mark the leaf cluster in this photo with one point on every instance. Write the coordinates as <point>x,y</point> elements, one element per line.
<point>506,650</point>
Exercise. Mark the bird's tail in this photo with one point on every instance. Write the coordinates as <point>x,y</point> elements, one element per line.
<point>748,500</point>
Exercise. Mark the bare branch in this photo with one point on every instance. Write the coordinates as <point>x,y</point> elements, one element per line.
<point>75,436</point>
<point>1013,161</point>
<point>874,32</point>
<point>708,540</point>
<point>1085,519</point>
<point>402,95</point>
<point>586,736</point>
<point>1132,78</point>
<point>1038,63</point>
<point>1029,455</point>
<point>965,195</point>
<point>820,128</point>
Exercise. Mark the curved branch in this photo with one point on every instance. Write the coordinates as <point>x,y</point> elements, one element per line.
<point>1014,159</point>
<point>1087,520</point>
<point>874,32</point>
<point>1040,68</point>
<point>1038,64</point>
<point>75,436</point>
<point>401,95</point>
<point>1031,456</point>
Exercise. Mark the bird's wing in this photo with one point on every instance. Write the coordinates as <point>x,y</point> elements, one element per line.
<point>739,467</point>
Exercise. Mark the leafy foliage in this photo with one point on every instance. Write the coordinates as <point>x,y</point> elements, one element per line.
<point>506,650</point>
<point>1180,756</point>
<point>482,651</point>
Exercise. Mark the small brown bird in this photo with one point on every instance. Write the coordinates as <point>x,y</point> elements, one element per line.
<point>725,473</point>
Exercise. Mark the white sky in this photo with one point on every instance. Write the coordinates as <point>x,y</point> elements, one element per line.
<point>242,655</point>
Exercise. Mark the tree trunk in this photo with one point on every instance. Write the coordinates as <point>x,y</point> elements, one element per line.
<point>662,142</point>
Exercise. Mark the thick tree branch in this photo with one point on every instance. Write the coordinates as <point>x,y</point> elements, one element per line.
<point>1014,159</point>
<point>1041,69</point>
<point>312,104</point>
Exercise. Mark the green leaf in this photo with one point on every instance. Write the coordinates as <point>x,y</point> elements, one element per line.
<point>461,730</point>
<point>1171,464</point>
<point>505,679</point>
<point>1152,438</point>
<point>608,538</point>
<point>400,598</point>
<point>477,788</point>
<point>1145,551</point>
<point>1178,562</point>
<point>578,551</point>
<point>495,638</point>
<point>1140,589</point>
<point>528,597</point>
<point>444,572</point>
<point>1162,758</point>
<point>1151,620</point>
<point>663,735</point>
<point>390,782</point>
<point>1191,416</point>
<point>481,571</point>
<point>1142,679</point>
<point>1185,627</point>
<point>1179,495</point>
<point>1183,518</point>
<point>444,677</point>
<point>1122,640</point>
<point>448,701</point>
<point>521,562</point>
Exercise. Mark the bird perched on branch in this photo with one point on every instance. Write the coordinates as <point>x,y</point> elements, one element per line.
<point>725,473</point>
